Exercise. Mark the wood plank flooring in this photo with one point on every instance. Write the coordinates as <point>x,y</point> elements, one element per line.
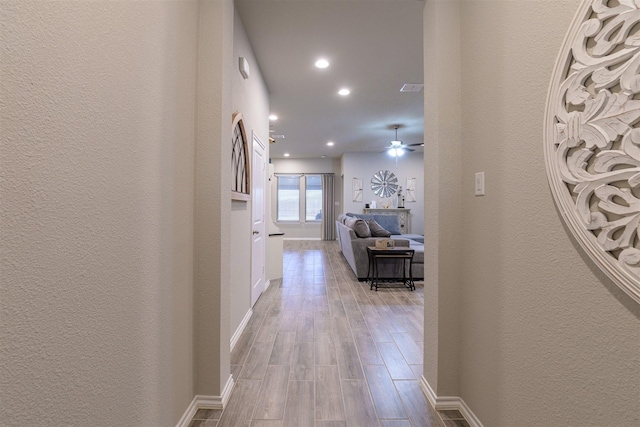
<point>322,350</point>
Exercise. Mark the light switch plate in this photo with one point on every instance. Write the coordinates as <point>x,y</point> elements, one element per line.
<point>480,184</point>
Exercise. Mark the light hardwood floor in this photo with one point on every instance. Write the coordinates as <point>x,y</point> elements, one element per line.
<point>322,350</point>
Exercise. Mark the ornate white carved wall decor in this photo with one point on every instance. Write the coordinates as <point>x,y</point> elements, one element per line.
<point>592,136</point>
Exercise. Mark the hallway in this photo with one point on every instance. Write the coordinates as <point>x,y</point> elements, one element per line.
<point>323,350</point>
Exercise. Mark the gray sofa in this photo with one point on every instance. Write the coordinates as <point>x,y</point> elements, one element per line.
<point>354,248</point>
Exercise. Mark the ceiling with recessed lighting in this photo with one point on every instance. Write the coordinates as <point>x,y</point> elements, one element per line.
<point>373,48</point>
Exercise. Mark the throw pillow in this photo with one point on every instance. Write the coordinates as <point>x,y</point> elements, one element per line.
<point>350,222</point>
<point>377,230</point>
<point>361,228</point>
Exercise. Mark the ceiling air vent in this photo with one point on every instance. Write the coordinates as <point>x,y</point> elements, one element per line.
<point>411,87</point>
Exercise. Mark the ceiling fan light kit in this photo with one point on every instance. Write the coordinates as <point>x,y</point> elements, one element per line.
<point>396,152</point>
<point>397,148</point>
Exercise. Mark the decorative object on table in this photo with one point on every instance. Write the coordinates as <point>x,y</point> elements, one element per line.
<point>400,198</point>
<point>385,243</point>
<point>591,137</point>
<point>356,185</point>
<point>240,189</point>
<point>411,190</point>
<point>385,203</point>
<point>384,184</point>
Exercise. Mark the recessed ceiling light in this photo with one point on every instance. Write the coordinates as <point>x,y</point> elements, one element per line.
<point>323,156</point>
<point>330,143</point>
<point>322,63</point>
<point>344,92</point>
<point>273,117</point>
<point>286,154</point>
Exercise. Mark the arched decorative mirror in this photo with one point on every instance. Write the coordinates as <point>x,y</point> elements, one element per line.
<point>239,161</point>
<point>384,184</point>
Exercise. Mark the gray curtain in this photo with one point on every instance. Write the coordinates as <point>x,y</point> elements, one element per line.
<point>328,208</point>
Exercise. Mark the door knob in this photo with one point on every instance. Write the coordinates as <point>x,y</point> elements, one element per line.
<point>256,232</point>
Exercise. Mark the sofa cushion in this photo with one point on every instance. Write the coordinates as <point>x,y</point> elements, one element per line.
<point>418,238</point>
<point>350,222</point>
<point>366,217</point>
<point>342,217</point>
<point>376,229</point>
<point>389,223</point>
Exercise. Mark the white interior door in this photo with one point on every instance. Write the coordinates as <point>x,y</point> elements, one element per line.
<point>258,246</point>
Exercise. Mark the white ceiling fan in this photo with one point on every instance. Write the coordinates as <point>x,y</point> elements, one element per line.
<point>397,148</point>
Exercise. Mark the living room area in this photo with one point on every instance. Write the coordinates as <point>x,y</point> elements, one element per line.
<point>353,189</point>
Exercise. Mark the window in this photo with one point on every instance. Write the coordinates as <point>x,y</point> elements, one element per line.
<point>313,198</point>
<point>296,193</point>
<point>288,198</point>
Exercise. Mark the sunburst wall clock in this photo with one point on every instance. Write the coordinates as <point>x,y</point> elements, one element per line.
<point>384,184</point>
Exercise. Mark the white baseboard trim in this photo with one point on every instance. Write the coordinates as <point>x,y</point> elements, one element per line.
<point>226,392</point>
<point>238,332</point>
<point>206,402</point>
<point>444,403</point>
<point>188,414</point>
<point>267,284</point>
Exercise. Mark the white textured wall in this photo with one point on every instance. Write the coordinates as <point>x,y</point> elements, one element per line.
<point>212,272</point>
<point>97,118</point>
<point>442,193</point>
<point>545,338</point>
<point>250,98</point>
<point>561,336</point>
